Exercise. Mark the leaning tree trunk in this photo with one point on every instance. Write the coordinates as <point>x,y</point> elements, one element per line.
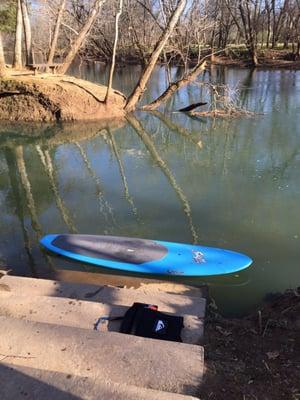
<point>56,32</point>
<point>17,62</point>
<point>112,67</point>
<point>141,85</point>
<point>253,55</point>
<point>2,59</point>
<point>177,85</point>
<point>27,31</point>
<point>81,36</point>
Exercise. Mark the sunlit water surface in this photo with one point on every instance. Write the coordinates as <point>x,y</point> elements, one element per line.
<point>231,183</point>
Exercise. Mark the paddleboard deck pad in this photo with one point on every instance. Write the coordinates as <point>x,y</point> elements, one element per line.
<point>146,256</point>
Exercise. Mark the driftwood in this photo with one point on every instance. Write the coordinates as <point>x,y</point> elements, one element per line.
<point>222,113</point>
<point>192,106</point>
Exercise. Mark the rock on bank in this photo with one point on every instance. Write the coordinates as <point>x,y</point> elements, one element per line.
<point>56,98</point>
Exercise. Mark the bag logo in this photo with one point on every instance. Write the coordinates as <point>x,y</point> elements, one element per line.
<point>160,326</point>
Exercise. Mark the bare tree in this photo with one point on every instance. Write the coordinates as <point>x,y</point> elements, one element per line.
<point>268,14</point>
<point>141,85</point>
<point>56,32</point>
<point>278,19</point>
<point>82,35</point>
<point>2,59</point>
<point>113,61</point>
<point>17,62</point>
<point>295,28</point>
<point>27,31</point>
<point>246,15</point>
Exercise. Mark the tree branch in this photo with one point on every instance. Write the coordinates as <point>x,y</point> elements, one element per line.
<point>140,87</point>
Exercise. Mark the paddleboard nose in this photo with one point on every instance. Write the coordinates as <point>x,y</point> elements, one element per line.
<point>47,239</point>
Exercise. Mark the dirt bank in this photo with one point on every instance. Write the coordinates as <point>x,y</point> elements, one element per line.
<point>267,58</point>
<point>56,98</point>
<point>255,357</point>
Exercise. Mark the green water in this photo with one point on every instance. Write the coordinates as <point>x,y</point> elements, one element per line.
<point>231,183</point>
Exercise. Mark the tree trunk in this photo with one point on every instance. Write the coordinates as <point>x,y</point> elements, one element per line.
<point>81,36</point>
<point>268,32</point>
<point>177,85</point>
<point>254,59</point>
<point>141,85</point>
<point>113,60</point>
<point>56,32</point>
<point>17,62</point>
<point>2,59</point>
<point>27,31</point>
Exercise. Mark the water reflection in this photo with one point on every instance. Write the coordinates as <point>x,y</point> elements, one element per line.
<point>15,139</point>
<point>19,179</point>
<point>177,128</point>
<point>115,150</point>
<point>49,169</point>
<point>104,207</point>
<point>14,184</point>
<point>138,127</point>
<point>46,147</point>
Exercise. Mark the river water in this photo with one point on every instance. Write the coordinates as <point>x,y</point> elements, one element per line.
<point>231,183</point>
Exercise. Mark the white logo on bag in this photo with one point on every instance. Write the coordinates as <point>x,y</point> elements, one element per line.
<point>159,326</point>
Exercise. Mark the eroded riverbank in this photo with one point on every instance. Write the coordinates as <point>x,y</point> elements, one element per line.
<point>46,97</point>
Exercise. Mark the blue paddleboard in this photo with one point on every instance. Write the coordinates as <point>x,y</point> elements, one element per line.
<point>147,256</point>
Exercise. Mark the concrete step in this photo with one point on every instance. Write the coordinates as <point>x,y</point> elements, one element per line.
<point>168,302</point>
<point>79,314</point>
<point>19,383</point>
<point>102,356</point>
<point>84,277</point>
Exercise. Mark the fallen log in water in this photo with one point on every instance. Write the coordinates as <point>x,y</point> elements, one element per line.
<point>192,107</point>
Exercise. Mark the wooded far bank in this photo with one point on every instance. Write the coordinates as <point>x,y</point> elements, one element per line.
<point>249,30</point>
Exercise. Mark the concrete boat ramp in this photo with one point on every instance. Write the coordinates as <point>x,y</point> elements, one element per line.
<point>49,347</point>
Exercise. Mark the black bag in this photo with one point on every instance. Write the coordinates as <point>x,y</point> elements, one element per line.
<point>144,320</point>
